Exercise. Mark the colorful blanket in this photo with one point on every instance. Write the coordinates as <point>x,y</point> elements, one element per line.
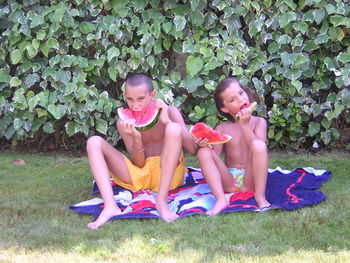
<point>285,189</point>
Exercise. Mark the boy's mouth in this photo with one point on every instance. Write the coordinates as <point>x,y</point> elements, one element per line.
<point>244,106</point>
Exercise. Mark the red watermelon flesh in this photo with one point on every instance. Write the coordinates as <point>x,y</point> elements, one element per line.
<point>201,130</point>
<point>251,106</point>
<point>144,119</point>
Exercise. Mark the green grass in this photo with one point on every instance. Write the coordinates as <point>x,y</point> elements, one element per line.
<point>37,226</point>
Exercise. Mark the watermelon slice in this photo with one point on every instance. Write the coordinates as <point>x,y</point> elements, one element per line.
<point>251,106</point>
<point>144,119</point>
<point>201,130</point>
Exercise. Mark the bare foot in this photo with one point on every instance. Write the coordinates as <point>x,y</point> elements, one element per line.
<point>219,205</point>
<point>262,202</point>
<point>165,213</point>
<point>106,214</point>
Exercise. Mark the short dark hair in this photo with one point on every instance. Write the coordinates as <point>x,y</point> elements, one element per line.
<point>223,85</point>
<point>136,79</point>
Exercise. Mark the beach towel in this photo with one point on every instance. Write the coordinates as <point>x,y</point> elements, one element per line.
<point>285,190</point>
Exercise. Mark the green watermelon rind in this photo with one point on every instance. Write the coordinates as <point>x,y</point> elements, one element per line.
<point>252,107</point>
<point>142,127</point>
<point>228,138</point>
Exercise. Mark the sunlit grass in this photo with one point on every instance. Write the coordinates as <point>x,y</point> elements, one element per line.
<point>37,226</point>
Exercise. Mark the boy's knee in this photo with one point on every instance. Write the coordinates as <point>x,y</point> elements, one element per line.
<point>258,146</point>
<point>93,142</point>
<point>173,129</point>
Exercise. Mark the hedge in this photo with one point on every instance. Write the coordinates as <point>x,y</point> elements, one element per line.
<point>62,64</point>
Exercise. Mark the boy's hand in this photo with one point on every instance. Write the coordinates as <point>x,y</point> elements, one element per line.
<point>202,142</point>
<point>128,126</point>
<point>164,115</point>
<point>244,116</point>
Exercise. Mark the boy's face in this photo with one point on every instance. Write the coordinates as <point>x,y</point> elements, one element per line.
<point>138,97</point>
<point>233,98</point>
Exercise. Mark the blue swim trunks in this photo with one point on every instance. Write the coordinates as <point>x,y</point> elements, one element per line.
<point>238,176</point>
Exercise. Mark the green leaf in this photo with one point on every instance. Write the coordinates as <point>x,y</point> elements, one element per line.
<point>321,39</point>
<point>314,128</point>
<point>48,128</point>
<point>326,123</point>
<point>236,70</point>
<point>286,18</point>
<point>15,82</point>
<point>343,57</point>
<point>194,4</point>
<point>179,22</point>
<point>310,45</point>
<point>273,47</point>
<point>293,74</point>
<point>87,27</point>
<point>271,133</point>
<point>319,15</point>
<point>4,76</point>
<point>112,52</point>
<point>52,43</point>
<point>44,49</point>
<point>151,61</point>
<point>32,102</point>
<point>301,26</point>
<point>167,27</point>
<point>70,128</point>
<point>70,88</point>
<point>345,97</point>
<point>300,60</point>
<point>338,109</point>
<point>16,56</point>
<point>31,51</point>
<point>284,39</point>
<point>288,59</point>
<point>10,131</point>
<point>197,18</point>
<point>119,7</point>
<point>40,34</point>
<point>101,126</point>
<point>57,111</point>
<point>35,44</point>
<point>191,83</point>
<point>193,65</point>
<point>338,20</point>
<point>329,115</point>
<point>37,20</point>
<point>279,135</point>
<point>112,72</point>
<point>316,110</point>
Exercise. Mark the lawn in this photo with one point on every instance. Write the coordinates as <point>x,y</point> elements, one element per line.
<point>37,226</point>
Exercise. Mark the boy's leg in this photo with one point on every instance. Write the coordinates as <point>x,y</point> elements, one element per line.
<point>256,173</point>
<point>103,159</point>
<point>172,147</point>
<point>217,176</point>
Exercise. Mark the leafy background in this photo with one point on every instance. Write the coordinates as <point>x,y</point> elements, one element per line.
<point>62,65</point>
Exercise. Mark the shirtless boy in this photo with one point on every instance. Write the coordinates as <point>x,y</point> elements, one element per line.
<point>156,158</point>
<point>246,155</point>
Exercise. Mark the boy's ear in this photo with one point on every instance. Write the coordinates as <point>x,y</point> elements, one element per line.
<point>153,93</point>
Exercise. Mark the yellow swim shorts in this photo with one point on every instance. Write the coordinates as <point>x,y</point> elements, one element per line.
<point>148,177</point>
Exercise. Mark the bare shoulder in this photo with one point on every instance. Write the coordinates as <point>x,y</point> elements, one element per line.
<point>173,109</point>
<point>175,114</point>
<point>258,121</point>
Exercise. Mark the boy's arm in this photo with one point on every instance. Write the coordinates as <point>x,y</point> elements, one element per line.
<point>133,142</point>
<point>187,140</point>
<point>259,131</point>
